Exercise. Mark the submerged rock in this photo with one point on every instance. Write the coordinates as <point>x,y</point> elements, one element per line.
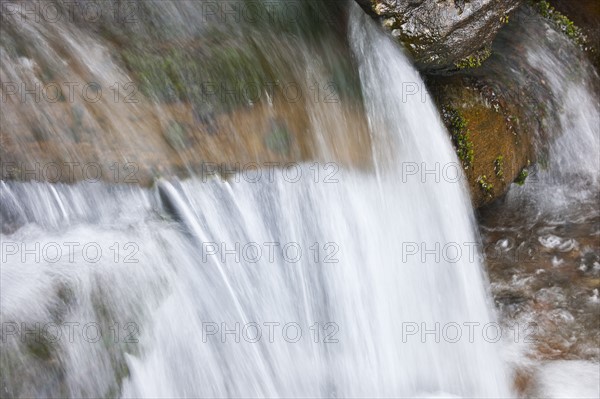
<point>443,35</point>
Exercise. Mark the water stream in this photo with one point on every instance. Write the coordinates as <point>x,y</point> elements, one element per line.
<point>336,274</point>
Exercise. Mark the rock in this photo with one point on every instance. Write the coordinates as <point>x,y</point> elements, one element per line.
<point>503,115</point>
<point>585,16</point>
<point>488,131</point>
<point>443,35</point>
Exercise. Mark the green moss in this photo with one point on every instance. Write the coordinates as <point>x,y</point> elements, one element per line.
<point>474,60</point>
<point>486,187</point>
<point>562,22</point>
<point>414,42</point>
<point>499,166</point>
<point>520,180</point>
<point>217,76</point>
<point>461,139</point>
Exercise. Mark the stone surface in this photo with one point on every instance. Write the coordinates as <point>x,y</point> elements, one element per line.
<point>443,35</point>
<point>493,127</point>
<point>585,14</point>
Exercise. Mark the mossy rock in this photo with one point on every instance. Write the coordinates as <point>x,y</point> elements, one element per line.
<point>579,20</point>
<point>475,60</point>
<point>461,136</point>
<point>522,176</point>
<point>490,134</point>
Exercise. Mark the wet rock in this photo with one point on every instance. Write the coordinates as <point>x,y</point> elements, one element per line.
<point>443,35</point>
<point>511,303</point>
<point>585,17</point>
<point>552,297</point>
<point>523,381</point>
<point>488,132</point>
<point>11,216</point>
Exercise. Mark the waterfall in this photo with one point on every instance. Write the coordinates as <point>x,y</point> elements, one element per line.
<point>315,280</point>
<point>562,86</point>
<point>557,206</point>
<point>570,173</point>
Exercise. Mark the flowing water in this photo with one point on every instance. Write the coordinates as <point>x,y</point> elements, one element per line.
<point>563,83</point>
<point>320,278</point>
<point>542,239</point>
<point>317,266</point>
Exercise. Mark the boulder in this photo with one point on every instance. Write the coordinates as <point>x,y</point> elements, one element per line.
<point>490,132</point>
<point>443,35</point>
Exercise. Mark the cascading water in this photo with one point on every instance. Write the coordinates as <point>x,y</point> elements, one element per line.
<point>351,317</point>
<point>551,221</point>
<point>561,82</point>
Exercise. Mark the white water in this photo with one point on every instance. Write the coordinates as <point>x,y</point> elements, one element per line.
<point>560,195</point>
<point>567,184</point>
<point>556,379</point>
<point>175,289</point>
